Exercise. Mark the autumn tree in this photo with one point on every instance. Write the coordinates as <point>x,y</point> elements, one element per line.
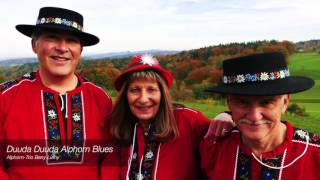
<point>180,72</point>
<point>247,51</point>
<point>2,78</point>
<point>215,76</point>
<point>196,76</point>
<point>216,51</point>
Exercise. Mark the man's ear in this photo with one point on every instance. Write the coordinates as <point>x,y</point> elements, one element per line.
<point>228,100</point>
<point>33,44</point>
<point>286,100</point>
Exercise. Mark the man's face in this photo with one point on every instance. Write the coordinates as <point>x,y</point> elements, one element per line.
<point>258,117</point>
<point>58,53</point>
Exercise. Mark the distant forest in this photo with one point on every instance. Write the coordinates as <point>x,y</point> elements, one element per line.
<point>193,70</point>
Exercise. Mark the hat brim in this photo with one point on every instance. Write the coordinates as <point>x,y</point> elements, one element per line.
<point>289,85</point>
<point>86,38</point>
<point>122,78</point>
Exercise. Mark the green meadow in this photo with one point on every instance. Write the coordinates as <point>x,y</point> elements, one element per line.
<point>306,64</point>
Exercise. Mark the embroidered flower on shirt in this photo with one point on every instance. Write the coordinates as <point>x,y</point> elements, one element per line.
<point>139,176</point>
<point>27,75</point>
<point>315,138</point>
<point>76,117</point>
<point>149,155</point>
<point>148,60</point>
<point>134,156</point>
<point>301,133</point>
<point>52,114</point>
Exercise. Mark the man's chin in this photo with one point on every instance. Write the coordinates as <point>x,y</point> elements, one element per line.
<point>252,136</point>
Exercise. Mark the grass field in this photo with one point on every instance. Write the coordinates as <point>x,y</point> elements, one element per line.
<point>305,64</point>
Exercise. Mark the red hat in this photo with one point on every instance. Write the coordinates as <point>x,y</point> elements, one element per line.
<point>143,62</point>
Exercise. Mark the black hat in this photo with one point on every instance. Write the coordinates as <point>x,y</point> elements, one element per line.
<point>264,74</point>
<point>61,19</point>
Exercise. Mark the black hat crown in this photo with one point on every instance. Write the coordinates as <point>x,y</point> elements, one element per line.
<point>260,74</point>
<point>61,19</point>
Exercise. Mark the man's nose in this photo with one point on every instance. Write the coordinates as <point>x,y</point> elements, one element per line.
<point>254,113</point>
<point>62,46</point>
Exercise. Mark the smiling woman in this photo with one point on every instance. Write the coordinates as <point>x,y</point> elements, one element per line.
<point>155,136</point>
<point>144,100</point>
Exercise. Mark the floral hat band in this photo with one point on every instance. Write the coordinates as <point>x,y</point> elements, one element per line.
<point>60,21</point>
<point>264,74</point>
<point>256,77</point>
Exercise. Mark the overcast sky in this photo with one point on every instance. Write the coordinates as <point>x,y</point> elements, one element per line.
<point>130,25</point>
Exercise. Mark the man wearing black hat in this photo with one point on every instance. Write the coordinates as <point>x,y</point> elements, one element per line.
<point>52,116</point>
<point>262,146</point>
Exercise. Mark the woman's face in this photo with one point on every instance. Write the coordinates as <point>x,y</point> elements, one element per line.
<point>144,98</point>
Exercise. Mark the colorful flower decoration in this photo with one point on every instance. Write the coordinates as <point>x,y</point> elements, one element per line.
<point>260,76</point>
<point>264,76</point>
<point>57,20</point>
<point>282,74</point>
<point>225,79</point>
<point>240,78</point>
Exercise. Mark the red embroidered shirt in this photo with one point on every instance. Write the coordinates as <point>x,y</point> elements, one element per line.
<point>31,117</point>
<point>230,159</point>
<point>177,159</point>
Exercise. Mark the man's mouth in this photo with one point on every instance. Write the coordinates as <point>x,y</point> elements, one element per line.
<point>60,58</point>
